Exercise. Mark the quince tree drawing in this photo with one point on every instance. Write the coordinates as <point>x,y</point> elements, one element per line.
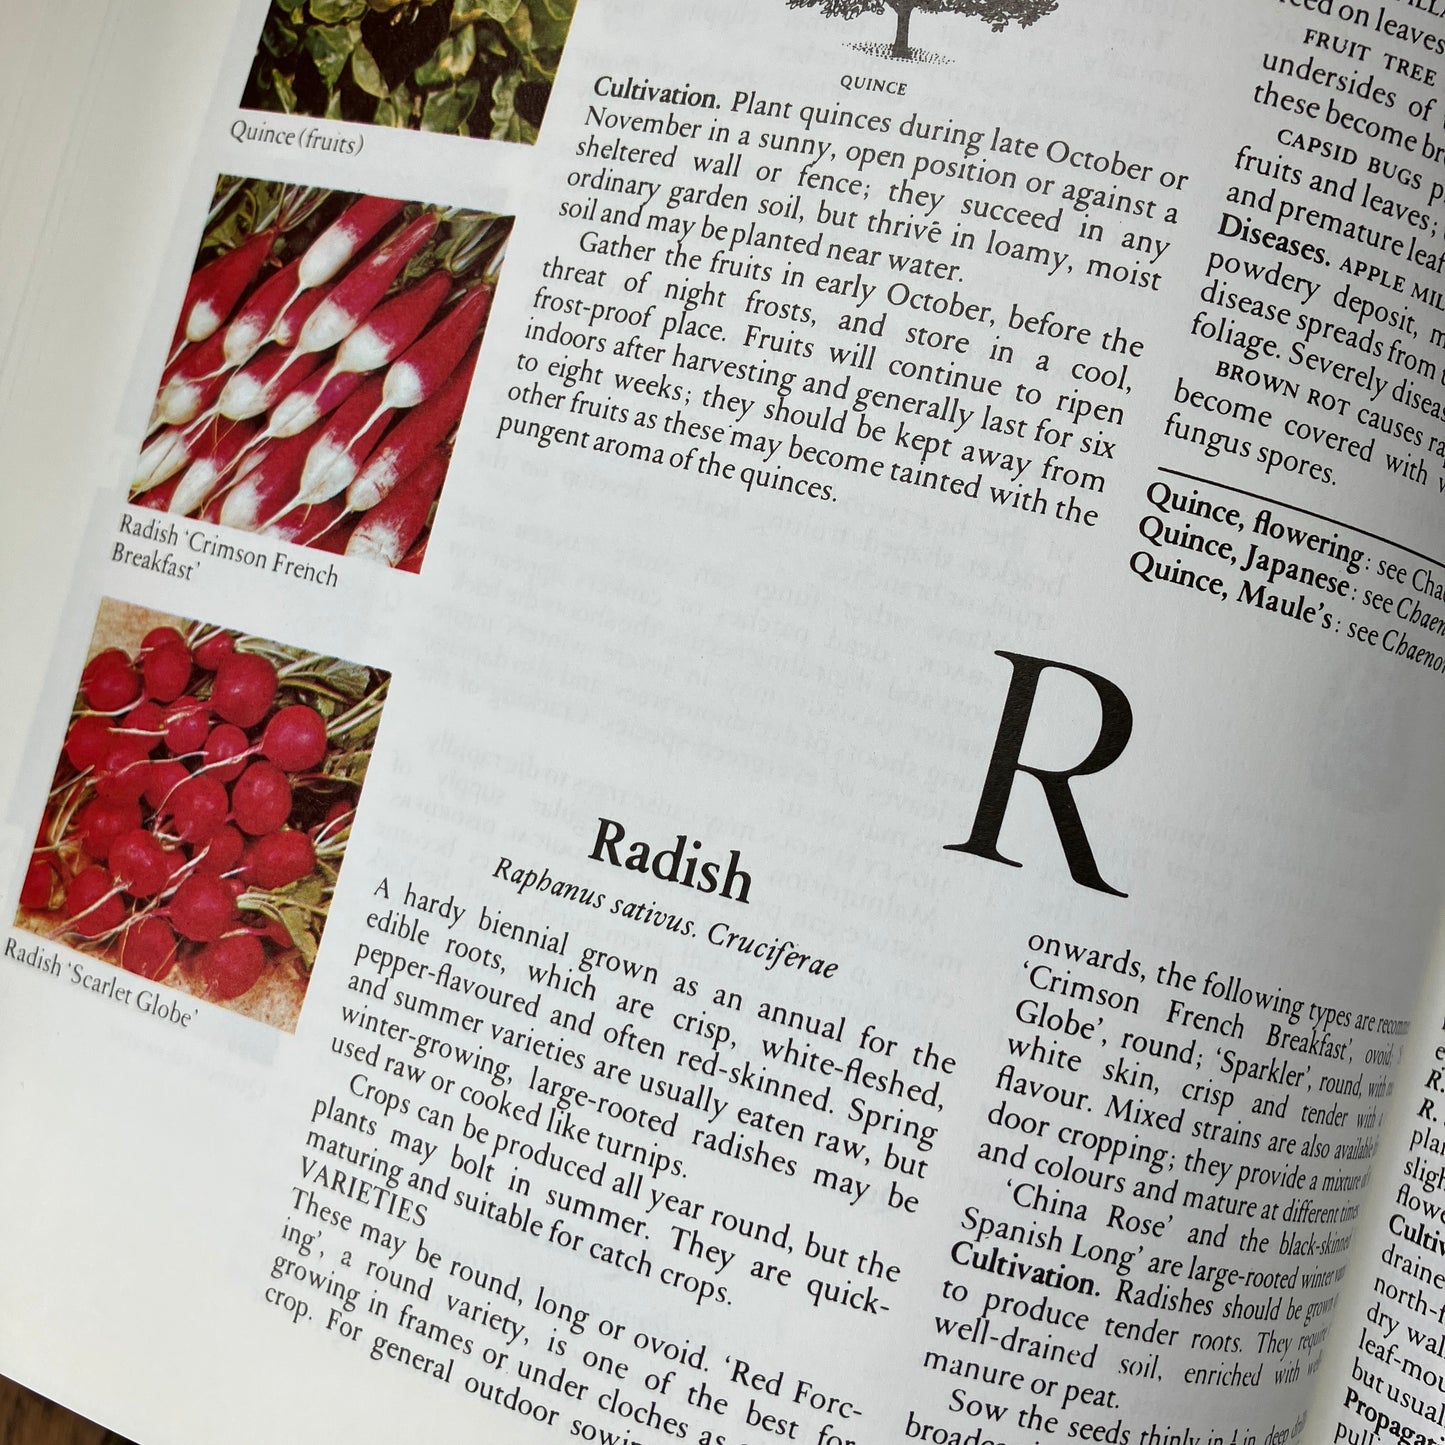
<point>998,13</point>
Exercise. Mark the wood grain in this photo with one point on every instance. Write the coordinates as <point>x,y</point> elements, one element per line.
<point>28,1419</point>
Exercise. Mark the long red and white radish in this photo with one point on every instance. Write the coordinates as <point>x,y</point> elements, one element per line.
<point>354,297</point>
<point>194,381</point>
<point>219,285</point>
<point>267,487</point>
<point>336,457</point>
<point>158,499</point>
<point>346,235</point>
<point>387,531</point>
<point>388,333</point>
<point>412,438</point>
<point>318,396</point>
<point>294,317</point>
<point>252,324</point>
<point>420,371</point>
<point>261,383</point>
<point>326,256</point>
<point>334,470</point>
<point>393,326</point>
<point>199,481</point>
<point>312,527</point>
<point>165,456</point>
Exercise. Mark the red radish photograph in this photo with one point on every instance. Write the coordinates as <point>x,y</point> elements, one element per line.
<point>319,368</point>
<point>201,807</point>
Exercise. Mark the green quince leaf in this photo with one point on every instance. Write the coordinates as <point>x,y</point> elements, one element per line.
<point>366,72</point>
<point>285,92</point>
<point>330,46</point>
<point>451,60</point>
<point>447,110</point>
<point>336,12</point>
<point>551,20</point>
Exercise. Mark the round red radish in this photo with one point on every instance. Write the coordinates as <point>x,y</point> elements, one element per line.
<point>187,724</point>
<point>109,682</point>
<point>87,739</point>
<point>164,776</point>
<point>144,725</point>
<point>261,799</point>
<point>223,744</point>
<point>280,858</point>
<point>38,888</point>
<point>199,806</point>
<point>274,930</point>
<point>166,670</point>
<point>232,966</point>
<point>211,653</point>
<point>222,852</point>
<point>145,721</point>
<point>295,739</point>
<point>244,688</point>
<point>203,908</point>
<point>339,817</point>
<point>91,904</point>
<point>101,822</point>
<point>141,866</point>
<point>122,771</point>
<point>161,637</point>
<point>148,947</point>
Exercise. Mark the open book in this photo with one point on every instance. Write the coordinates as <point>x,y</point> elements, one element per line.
<point>723,722</point>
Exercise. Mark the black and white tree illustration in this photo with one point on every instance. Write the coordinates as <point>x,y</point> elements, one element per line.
<point>998,13</point>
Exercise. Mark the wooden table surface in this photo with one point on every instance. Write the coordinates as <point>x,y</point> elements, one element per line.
<point>27,1419</point>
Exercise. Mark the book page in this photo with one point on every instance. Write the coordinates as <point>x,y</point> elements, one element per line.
<point>724,721</point>
<point>1383,1370</point>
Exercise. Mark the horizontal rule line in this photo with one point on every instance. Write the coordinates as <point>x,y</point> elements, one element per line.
<point>1305,511</point>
